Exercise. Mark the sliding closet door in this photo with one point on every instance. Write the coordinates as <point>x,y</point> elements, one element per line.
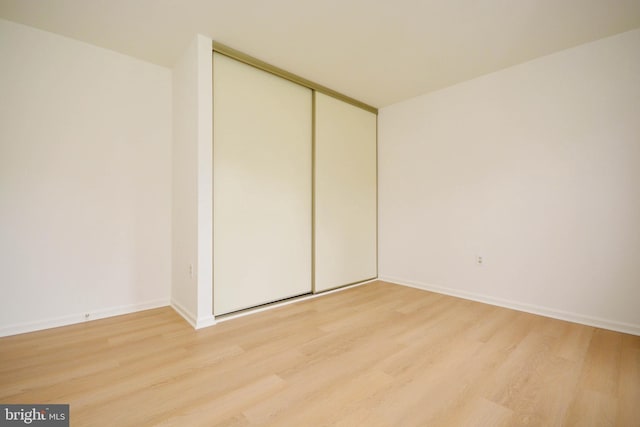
<point>261,186</point>
<point>345,194</point>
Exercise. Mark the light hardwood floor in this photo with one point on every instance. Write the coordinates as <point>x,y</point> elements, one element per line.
<point>374,355</point>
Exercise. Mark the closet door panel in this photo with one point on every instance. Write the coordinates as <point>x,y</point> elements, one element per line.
<point>345,194</point>
<point>261,186</point>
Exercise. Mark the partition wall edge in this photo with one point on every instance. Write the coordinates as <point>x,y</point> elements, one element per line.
<point>191,291</point>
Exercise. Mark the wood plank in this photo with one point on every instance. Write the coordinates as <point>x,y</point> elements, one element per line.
<point>376,355</point>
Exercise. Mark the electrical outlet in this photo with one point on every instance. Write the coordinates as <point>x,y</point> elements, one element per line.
<point>479,260</point>
<point>191,270</point>
<point>86,315</point>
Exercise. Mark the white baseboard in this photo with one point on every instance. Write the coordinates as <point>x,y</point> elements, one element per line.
<point>597,322</point>
<point>71,319</point>
<point>186,314</point>
<point>205,321</point>
<point>201,322</point>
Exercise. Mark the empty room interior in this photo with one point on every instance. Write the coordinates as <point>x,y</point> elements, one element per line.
<point>306,213</point>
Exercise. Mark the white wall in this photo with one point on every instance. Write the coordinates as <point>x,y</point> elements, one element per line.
<point>537,169</point>
<point>85,181</point>
<point>192,224</point>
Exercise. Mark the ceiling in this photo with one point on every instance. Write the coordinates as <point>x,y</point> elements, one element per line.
<point>377,51</point>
